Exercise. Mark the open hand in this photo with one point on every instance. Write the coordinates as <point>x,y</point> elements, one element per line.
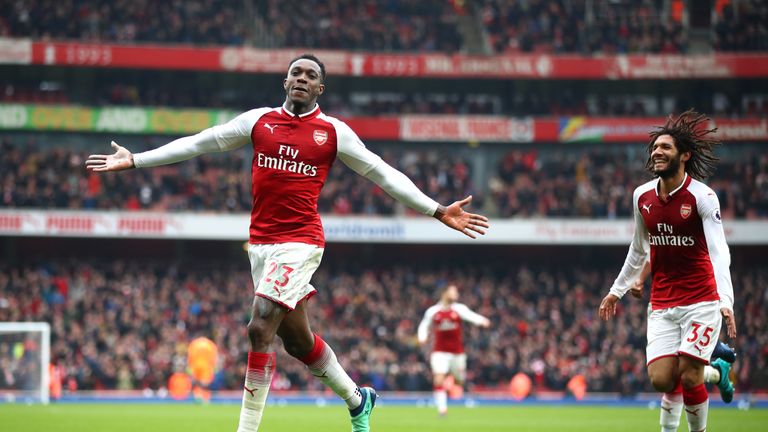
<point>121,160</point>
<point>730,322</point>
<point>608,307</point>
<point>455,217</point>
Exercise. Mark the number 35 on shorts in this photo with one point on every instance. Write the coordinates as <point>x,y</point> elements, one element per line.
<point>701,334</point>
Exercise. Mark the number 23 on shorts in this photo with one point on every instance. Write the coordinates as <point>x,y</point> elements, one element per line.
<point>277,274</point>
<point>704,337</point>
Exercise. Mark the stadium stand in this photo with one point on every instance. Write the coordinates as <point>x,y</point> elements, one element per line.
<point>200,22</point>
<point>557,26</point>
<point>570,27</point>
<point>589,181</point>
<point>743,28</point>
<point>123,324</point>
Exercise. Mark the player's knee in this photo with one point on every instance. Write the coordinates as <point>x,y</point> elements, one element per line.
<point>662,383</point>
<point>438,379</point>
<point>260,334</point>
<point>690,379</point>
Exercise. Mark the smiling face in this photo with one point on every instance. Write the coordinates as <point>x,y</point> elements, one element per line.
<point>303,85</point>
<point>667,159</point>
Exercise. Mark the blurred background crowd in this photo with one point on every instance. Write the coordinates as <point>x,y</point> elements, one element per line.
<point>125,324</point>
<point>583,181</point>
<point>499,26</point>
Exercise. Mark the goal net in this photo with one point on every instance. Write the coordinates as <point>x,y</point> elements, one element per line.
<point>25,354</point>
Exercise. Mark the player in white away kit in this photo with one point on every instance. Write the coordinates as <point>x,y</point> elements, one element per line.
<point>294,147</point>
<point>677,221</point>
<point>447,357</point>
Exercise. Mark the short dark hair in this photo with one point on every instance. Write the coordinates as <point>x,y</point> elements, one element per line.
<point>690,134</point>
<point>313,58</point>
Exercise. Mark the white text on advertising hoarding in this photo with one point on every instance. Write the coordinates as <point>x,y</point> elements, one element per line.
<point>354,231</point>
<point>395,65</point>
<point>10,223</point>
<point>141,225</point>
<point>69,224</point>
<point>744,130</point>
<point>88,55</point>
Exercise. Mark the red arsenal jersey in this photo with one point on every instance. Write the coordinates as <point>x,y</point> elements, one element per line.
<point>680,259</point>
<point>292,155</point>
<point>291,159</point>
<point>446,326</point>
<point>445,323</point>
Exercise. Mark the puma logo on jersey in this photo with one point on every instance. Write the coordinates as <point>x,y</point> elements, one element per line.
<point>251,391</point>
<point>647,207</point>
<point>271,128</point>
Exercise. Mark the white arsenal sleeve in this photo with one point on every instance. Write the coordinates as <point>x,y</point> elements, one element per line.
<point>355,155</point>
<point>468,315</point>
<point>719,254</point>
<point>426,322</point>
<point>637,255</point>
<point>231,135</point>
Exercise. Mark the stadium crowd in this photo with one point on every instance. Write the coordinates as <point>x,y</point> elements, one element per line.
<point>569,27</point>
<point>557,26</point>
<point>377,25</point>
<point>598,182</point>
<point>588,181</point>
<point>125,324</point>
<point>424,25</point>
<point>742,29</point>
<point>199,22</point>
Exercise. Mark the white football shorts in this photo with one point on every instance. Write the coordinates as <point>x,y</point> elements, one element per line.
<point>691,330</point>
<point>281,272</point>
<point>444,363</point>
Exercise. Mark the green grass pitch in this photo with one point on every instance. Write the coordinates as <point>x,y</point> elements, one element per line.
<point>220,418</point>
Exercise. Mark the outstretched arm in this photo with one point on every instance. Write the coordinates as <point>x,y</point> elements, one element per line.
<point>231,135</point>
<point>400,187</point>
<point>175,151</point>
<point>468,314</point>
<point>353,153</point>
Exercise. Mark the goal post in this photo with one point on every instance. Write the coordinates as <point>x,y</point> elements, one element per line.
<point>25,356</point>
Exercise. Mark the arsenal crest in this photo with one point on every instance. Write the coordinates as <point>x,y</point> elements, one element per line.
<point>320,136</point>
<point>685,210</point>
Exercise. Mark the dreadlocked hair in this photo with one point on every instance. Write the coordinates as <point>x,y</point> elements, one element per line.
<point>690,134</point>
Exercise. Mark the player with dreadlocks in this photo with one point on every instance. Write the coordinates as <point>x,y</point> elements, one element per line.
<point>677,223</point>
